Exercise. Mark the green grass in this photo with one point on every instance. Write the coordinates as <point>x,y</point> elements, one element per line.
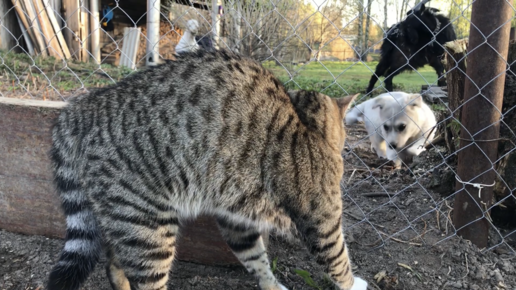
<point>52,78</point>
<point>40,77</point>
<point>337,78</point>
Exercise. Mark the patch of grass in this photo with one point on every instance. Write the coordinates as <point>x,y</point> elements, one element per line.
<point>338,79</point>
<point>438,107</point>
<point>274,265</point>
<point>57,78</point>
<point>308,278</point>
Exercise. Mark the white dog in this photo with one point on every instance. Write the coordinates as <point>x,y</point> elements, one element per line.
<point>398,125</point>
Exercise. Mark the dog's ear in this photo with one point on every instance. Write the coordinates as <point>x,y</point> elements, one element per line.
<point>293,94</point>
<point>344,102</point>
<point>379,103</point>
<point>414,100</point>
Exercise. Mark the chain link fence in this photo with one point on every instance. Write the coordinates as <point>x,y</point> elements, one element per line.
<point>462,185</point>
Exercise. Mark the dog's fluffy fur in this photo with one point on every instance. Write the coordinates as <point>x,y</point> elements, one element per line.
<point>397,123</point>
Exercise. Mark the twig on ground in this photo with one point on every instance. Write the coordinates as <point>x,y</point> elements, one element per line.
<point>401,241</point>
<point>420,236</point>
<point>434,142</point>
<point>467,268</point>
<point>375,286</point>
<point>358,169</point>
<point>412,270</point>
<point>352,174</point>
<point>376,194</point>
<point>353,215</point>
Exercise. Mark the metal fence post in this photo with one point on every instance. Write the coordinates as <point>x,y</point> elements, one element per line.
<point>95,30</point>
<point>153,26</point>
<point>483,96</point>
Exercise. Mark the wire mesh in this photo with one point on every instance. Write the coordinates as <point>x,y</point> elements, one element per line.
<point>329,46</point>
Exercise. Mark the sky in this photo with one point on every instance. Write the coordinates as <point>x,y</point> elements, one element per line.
<point>378,6</point>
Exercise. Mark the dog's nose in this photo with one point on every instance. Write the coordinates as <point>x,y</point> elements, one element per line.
<point>393,145</point>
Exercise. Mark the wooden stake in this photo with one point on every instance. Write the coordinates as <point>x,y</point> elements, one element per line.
<point>54,49</point>
<point>27,29</point>
<point>34,24</point>
<point>57,29</point>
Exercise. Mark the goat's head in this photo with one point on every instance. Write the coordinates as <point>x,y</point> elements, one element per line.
<point>422,19</point>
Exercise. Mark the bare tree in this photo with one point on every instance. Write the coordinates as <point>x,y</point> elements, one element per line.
<point>254,28</point>
<point>360,34</point>
<point>321,25</point>
<point>368,23</point>
<point>385,27</point>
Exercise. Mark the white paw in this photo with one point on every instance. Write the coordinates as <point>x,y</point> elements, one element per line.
<point>275,287</point>
<point>359,284</point>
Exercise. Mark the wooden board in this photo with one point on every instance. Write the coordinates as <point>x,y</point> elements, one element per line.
<point>23,18</point>
<point>54,49</point>
<point>71,31</point>
<point>29,203</point>
<point>33,24</point>
<point>130,47</point>
<point>84,30</point>
<point>57,29</point>
<point>26,37</point>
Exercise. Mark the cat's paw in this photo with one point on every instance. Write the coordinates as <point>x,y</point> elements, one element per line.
<point>359,284</point>
<point>275,287</point>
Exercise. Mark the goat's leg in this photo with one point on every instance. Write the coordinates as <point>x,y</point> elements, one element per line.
<point>382,66</point>
<point>391,73</point>
<point>439,69</point>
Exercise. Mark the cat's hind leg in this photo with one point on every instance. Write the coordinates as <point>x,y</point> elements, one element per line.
<point>247,245</point>
<point>115,274</point>
<point>321,230</point>
<point>141,255</point>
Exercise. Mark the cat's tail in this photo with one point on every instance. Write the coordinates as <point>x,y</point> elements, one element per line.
<point>83,241</point>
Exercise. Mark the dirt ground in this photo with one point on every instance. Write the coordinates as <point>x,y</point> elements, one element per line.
<point>397,227</point>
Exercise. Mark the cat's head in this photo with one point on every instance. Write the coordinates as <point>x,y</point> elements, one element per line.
<point>321,113</point>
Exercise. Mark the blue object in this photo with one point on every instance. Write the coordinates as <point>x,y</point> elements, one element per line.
<point>107,14</point>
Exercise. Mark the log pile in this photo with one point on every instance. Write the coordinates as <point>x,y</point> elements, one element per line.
<point>170,36</point>
<point>40,28</point>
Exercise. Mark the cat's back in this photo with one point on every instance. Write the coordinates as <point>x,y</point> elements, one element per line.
<point>204,105</point>
<point>208,82</point>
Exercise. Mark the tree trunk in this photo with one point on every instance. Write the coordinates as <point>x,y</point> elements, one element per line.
<point>385,27</point>
<point>455,78</point>
<point>507,165</point>
<point>360,29</point>
<point>368,22</point>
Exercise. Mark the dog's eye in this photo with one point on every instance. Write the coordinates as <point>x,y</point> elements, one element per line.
<point>401,127</point>
<point>386,127</point>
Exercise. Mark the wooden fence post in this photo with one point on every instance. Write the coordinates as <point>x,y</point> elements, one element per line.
<point>95,30</point>
<point>483,96</point>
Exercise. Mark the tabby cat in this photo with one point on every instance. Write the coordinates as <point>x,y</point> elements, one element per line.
<point>211,133</point>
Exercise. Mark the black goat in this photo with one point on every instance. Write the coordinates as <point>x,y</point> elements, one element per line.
<point>410,44</point>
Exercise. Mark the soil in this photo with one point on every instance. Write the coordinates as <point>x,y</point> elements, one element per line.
<point>397,225</point>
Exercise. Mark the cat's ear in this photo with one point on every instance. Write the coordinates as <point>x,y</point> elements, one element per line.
<point>344,102</point>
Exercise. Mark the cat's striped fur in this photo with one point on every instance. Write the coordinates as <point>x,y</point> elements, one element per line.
<point>209,133</point>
